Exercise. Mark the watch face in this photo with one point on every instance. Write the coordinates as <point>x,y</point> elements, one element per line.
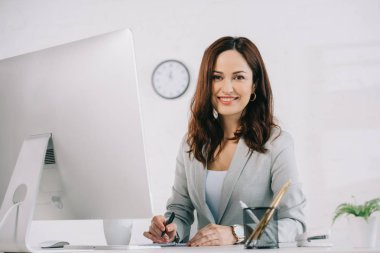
<point>170,79</point>
<point>239,230</point>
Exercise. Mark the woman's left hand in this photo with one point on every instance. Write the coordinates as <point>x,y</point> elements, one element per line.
<point>213,235</point>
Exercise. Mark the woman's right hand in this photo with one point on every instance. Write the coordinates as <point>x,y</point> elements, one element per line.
<point>156,228</point>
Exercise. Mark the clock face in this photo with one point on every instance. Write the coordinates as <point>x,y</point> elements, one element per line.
<point>170,79</point>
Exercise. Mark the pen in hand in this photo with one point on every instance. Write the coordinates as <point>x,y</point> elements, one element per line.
<point>170,220</point>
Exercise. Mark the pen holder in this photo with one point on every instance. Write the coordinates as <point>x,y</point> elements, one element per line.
<point>269,237</point>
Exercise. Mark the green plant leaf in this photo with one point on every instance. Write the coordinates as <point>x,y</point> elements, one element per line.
<point>364,211</point>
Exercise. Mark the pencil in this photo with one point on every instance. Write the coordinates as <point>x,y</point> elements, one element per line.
<point>255,235</point>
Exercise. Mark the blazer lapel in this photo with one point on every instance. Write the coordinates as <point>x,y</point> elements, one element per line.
<point>200,187</point>
<point>238,163</point>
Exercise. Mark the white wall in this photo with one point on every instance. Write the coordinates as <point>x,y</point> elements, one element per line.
<point>323,59</point>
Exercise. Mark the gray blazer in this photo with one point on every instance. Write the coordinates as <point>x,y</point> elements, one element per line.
<point>253,178</point>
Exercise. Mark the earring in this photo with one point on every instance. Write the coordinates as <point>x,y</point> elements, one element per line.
<point>254,97</point>
<point>214,113</point>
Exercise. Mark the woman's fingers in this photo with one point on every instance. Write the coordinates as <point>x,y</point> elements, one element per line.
<point>214,242</point>
<point>154,238</point>
<point>171,231</point>
<point>156,228</point>
<point>159,222</point>
<point>172,227</point>
<point>213,235</point>
<point>206,239</point>
<point>201,236</point>
<point>148,235</point>
<point>157,225</point>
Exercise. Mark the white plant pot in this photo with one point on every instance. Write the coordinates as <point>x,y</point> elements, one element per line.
<point>362,232</point>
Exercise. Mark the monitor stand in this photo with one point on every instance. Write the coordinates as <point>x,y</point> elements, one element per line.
<point>17,209</point>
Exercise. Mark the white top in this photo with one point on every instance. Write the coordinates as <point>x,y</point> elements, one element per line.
<point>214,184</point>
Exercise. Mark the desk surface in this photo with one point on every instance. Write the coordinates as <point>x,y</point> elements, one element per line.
<point>222,249</point>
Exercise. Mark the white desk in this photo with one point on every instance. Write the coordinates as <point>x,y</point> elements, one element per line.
<point>90,232</point>
<point>223,249</point>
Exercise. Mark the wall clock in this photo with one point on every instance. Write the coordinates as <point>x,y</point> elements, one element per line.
<point>170,79</point>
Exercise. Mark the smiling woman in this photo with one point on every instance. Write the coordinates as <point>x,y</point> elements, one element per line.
<point>232,84</point>
<point>233,151</point>
<point>231,69</point>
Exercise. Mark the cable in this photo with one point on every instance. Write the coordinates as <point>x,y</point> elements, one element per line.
<point>8,212</point>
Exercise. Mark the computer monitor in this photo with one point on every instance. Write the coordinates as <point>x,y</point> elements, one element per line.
<point>84,94</point>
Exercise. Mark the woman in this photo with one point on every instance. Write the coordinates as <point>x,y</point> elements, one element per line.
<point>233,151</point>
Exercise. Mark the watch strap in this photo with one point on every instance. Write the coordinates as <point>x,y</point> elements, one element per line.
<point>239,236</point>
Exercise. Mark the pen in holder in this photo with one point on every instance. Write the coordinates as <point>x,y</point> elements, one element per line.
<point>253,238</point>
<point>269,236</point>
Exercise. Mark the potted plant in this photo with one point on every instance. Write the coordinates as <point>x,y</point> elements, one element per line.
<point>362,221</point>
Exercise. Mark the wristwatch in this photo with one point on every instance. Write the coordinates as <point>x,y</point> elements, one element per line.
<point>238,233</point>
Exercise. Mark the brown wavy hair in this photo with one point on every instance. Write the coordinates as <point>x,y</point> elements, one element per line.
<point>205,133</point>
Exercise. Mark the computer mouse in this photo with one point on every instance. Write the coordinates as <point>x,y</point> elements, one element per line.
<point>53,244</point>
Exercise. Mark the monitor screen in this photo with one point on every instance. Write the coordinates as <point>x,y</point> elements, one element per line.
<point>86,95</point>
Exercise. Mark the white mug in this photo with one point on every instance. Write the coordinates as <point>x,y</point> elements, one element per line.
<point>118,231</point>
